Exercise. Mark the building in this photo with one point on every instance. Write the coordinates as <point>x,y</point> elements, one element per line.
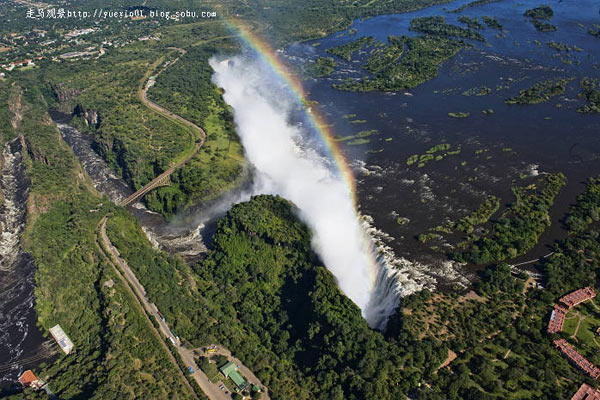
<point>586,392</point>
<point>580,361</point>
<point>578,297</point>
<point>61,338</point>
<point>28,379</point>
<point>230,371</point>
<point>557,318</point>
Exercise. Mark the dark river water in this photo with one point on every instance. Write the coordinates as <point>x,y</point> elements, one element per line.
<point>22,344</point>
<point>497,150</point>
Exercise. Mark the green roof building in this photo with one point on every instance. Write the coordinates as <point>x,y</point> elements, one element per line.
<point>230,371</point>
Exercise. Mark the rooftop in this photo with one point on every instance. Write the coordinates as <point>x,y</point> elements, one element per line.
<point>578,296</point>
<point>557,318</point>
<point>576,358</point>
<point>61,338</point>
<point>230,371</point>
<point>586,392</point>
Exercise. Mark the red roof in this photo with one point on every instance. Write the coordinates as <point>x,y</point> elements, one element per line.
<point>578,296</point>
<point>586,392</point>
<point>557,318</point>
<point>27,378</point>
<point>577,358</point>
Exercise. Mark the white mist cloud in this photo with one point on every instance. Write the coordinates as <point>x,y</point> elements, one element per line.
<point>283,167</point>
<point>288,166</point>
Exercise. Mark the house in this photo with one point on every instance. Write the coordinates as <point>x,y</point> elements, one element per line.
<point>586,392</point>
<point>580,361</point>
<point>230,371</point>
<point>578,297</point>
<point>61,338</point>
<point>28,379</point>
<point>557,318</point>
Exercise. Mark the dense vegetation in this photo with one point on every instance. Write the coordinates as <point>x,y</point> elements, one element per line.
<point>590,92</point>
<point>542,12</point>
<point>322,66</point>
<point>346,50</point>
<point>587,208</point>
<point>419,64</point>
<point>263,293</point>
<point>472,4</point>
<point>492,22</point>
<point>543,26</point>
<point>472,23</point>
<point>540,92</point>
<point>116,355</point>
<point>498,333</point>
<point>480,216</point>
<point>289,21</point>
<point>518,228</point>
<point>186,89</point>
<point>382,58</point>
<point>438,26</point>
<point>138,143</point>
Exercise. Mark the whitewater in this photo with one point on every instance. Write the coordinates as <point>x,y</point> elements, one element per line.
<point>289,163</point>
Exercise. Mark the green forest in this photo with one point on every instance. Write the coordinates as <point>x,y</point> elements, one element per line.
<point>261,290</point>
<point>186,89</point>
<point>419,64</point>
<point>517,230</point>
<point>264,294</point>
<point>116,356</point>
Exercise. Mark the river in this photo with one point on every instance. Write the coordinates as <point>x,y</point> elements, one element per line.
<point>22,344</point>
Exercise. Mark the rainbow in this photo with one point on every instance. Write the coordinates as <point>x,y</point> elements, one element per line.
<point>268,55</point>
<point>293,83</point>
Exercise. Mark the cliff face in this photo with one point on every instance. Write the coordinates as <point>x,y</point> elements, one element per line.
<point>90,118</point>
<point>64,95</point>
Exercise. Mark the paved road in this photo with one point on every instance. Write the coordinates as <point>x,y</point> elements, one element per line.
<point>143,96</point>
<point>210,389</point>
<point>102,228</point>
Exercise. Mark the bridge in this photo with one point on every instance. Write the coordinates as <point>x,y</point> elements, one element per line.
<point>164,179</point>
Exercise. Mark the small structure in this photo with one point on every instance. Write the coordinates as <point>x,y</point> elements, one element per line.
<point>557,318</point>
<point>230,371</point>
<point>28,379</point>
<point>580,361</point>
<point>61,338</point>
<point>586,392</point>
<point>578,297</point>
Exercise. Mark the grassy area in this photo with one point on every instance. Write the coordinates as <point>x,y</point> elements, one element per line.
<point>581,330</point>
<point>139,143</point>
<point>116,353</point>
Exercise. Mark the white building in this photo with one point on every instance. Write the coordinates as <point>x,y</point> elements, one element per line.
<point>61,338</point>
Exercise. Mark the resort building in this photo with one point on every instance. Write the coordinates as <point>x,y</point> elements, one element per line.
<point>61,338</point>
<point>577,359</point>
<point>230,371</point>
<point>578,297</point>
<point>586,392</point>
<point>28,379</point>
<point>557,318</point>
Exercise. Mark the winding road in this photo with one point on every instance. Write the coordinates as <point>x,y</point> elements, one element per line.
<point>163,179</point>
<point>213,390</point>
